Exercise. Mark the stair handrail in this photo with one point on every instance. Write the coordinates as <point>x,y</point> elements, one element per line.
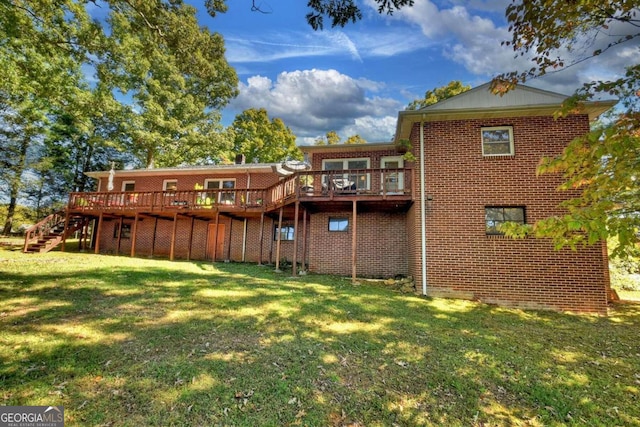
<point>42,228</point>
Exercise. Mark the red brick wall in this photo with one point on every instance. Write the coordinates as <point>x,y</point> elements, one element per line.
<point>462,260</point>
<point>381,245</point>
<point>233,246</point>
<point>187,182</point>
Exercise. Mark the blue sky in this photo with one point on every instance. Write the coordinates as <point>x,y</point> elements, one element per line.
<point>354,80</point>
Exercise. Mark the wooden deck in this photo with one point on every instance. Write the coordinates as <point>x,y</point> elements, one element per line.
<point>372,189</point>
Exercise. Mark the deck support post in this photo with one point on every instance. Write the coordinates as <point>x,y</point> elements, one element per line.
<point>215,237</point>
<point>278,240</point>
<point>354,242</point>
<point>134,234</point>
<point>99,233</point>
<point>64,232</point>
<point>294,257</point>
<point>153,241</point>
<point>173,237</point>
<point>261,238</point>
<point>190,239</point>
<point>120,222</point>
<point>228,258</point>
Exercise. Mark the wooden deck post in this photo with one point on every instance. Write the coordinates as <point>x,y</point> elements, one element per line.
<point>119,235</point>
<point>294,258</point>
<point>173,237</point>
<point>134,234</point>
<point>215,237</point>
<point>190,239</point>
<point>228,258</point>
<point>278,240</point>
<point>261,238</point>
<point>64,232</point>
<point>153,241</point>
<point>354,242</point>
<point>99,233</point>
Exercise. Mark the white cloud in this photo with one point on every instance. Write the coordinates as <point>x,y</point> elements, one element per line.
<point>355,44</point>
<point>471,33</point>
<point>313,102</point>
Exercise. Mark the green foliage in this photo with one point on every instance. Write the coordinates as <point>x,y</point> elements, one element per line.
<point>261,139</point>
<point>453,88</point>
<point>601,167</point>
<point>355,139</point>
<point>176,73</point>
<point>171,72</point>
<point>341,12</point>
<point>23,216</point>
<point>624,272</point>
<point>332,138</point>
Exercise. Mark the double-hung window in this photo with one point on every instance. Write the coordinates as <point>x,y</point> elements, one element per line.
<point>497,215</point>
<point>286,233</point>
<point>497,141</point>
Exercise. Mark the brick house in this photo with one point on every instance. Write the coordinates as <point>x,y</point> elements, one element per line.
<point>365,211</point>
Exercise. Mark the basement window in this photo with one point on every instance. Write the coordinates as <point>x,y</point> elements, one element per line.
<point>286,233</point>
<point>338,224</point>
<point>497,215</point>
<point>126,231</point>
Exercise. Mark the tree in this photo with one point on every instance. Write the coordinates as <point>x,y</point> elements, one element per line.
<point>340,12</point>
<point>331,138</point>
<point>172,74</point>
<point>40,59</point>
<point>355,139</point>
<point>261,139</point>
<point>176,75</point>
<point>603,165</point>
<point>453,88</point>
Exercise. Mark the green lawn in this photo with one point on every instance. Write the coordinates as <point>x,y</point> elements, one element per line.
<point>138,342</point>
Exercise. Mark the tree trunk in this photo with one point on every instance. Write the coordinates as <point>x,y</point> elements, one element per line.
<point>14,184</point>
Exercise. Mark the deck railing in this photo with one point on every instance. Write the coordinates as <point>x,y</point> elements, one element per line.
<point>168,200</point>
<point>304,185</point>
<point>339,183</point>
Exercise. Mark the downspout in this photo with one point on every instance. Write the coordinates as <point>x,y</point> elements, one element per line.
<point>423,231</point>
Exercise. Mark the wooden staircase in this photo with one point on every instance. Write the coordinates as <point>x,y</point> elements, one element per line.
<point>50,232</point>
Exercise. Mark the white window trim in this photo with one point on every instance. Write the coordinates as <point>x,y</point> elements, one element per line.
<point>400,176</point>
<point>511,145</point>
<point>124,184</point>
<point>345,164</point>
<point>166,182</point>
<point>220,190</point>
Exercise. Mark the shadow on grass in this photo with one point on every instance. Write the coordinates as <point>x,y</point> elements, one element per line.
<point>152,343</point>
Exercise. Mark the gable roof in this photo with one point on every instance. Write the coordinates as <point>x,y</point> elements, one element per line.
<point>481,97</point>
<point>480,102</point>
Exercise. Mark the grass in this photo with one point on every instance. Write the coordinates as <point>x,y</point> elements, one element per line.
<point>130,342</point>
